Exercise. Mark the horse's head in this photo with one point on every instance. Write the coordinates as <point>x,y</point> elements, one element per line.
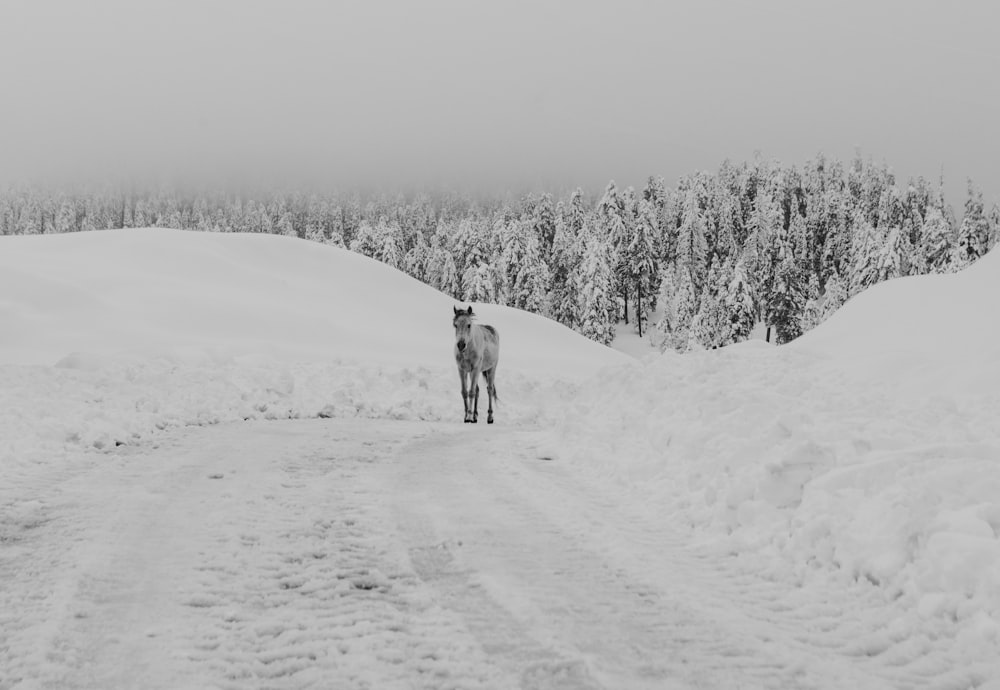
<point>463,327</point>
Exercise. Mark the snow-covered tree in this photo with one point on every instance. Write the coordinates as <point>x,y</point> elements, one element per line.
<point>892,260</point>
<point>974,234</point>
<point>366,240</point>
<point>523,271</point>
<point>65,217</point>
<point>564,271</point>
<point>834,296</point>
<point>680,304</point>
<point>866,249</point>
<point>741,304</point>
<point>479,283</point>
<point>692,247</point>
<point>544,223</point>
<point>285,226</point>
<point>597,300</point>
<point>416,259</point>
<point>641,261</point>
<point>787,300</point>
<point>812,313</point>
<point>710,326</point>
<point>612,220</point>
<point>763,226</point>
<point>937,242</point>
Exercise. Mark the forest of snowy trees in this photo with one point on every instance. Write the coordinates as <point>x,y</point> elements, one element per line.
<point>718,254</point>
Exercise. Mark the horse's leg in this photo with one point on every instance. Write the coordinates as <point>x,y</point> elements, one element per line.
<point>465,395</point>
<point>475,395</point>
<point>490,374</point>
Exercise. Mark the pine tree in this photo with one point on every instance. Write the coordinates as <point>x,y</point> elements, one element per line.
<point>449,282</point>
<point>285,226</point>
<point>833,298</point>
<point>597,300</point>
<point>524,273</point>
<point>687,307</point>
<point>741,304</point>
<point>416,259</point>
<point>576,215</point>
<point>544,224</point>
<point>787,300</point>
<point>563,275</point>
<point>641,262</point>
<point>865,251</point>
<point>710,325</point>
<point>974,234</point>
<point>366,240</point>
<point>680,304</point>
<point>891,260</point>
<point>667,299</point>
<point>479,283</point>
<point>813,311</point>
<point>388,244</point>
<point>612,223</point>
<point>335,239</point>
<point>836,252</point>
<point>937,243</point>
<point>65,217</point>
<point>692,248</point>
<point>763,227</point>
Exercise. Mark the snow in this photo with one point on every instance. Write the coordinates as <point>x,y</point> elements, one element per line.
<point>112,335</point>
<point>867,450</point>
<point>169,291</point>
<point>812,515</point>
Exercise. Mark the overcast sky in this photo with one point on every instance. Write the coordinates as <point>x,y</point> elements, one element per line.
<point>503,92</point>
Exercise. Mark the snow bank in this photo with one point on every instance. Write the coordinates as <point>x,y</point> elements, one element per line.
<point>150,291</point>
<point>109,336</point>
<point>867,450</point>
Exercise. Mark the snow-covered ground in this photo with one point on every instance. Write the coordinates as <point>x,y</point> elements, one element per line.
<point>823,514</point>
<point>867,451</point>
<point>110,336</point>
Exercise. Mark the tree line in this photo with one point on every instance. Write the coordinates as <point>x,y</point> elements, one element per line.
<point>717,254</point>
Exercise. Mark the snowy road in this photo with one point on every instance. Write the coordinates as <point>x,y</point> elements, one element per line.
<point>378,554</point>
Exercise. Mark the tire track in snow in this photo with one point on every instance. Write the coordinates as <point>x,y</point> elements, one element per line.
<point>373,554</point>
<point>599,580</point>
<point>837,627</point>
<point>245,556</point>
<point>554,590</point>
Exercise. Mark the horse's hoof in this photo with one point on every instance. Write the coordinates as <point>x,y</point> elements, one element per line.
<point>467,421</point>
<point>490,420</point>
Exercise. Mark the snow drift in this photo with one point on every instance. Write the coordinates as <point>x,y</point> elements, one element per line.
<point>869,449</point>
<point>169,291</point>
<point>110,335</point>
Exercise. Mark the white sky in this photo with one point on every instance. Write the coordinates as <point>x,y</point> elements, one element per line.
<point>513,92</point>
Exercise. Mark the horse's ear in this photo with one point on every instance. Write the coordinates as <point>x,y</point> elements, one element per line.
<point>470,310</point>
<point>455,308</point>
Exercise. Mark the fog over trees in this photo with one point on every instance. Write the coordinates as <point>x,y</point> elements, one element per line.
<point>713,256</point>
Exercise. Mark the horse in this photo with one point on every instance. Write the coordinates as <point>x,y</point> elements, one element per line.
<point>477,350</point>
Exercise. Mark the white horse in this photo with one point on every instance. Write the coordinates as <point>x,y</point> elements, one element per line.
<point>477,349</point>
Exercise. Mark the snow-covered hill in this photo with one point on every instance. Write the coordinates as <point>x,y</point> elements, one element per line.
<point>148,328</point>
<point>156,291</point>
